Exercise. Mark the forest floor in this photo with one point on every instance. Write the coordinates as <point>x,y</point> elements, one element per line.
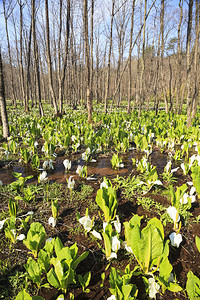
<point>69,230</point>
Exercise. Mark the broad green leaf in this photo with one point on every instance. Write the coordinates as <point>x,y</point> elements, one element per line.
<point>165,267</point>
<point>44,260</point>
<point>135,220</point>
<point>64,254</point>
<point>87,278</point>
<point>174,287</point>
<point>158,224</point>
<point>197,240</point>
<point>53,279</point>
<point>107,244</point>
<point>58,245</point>
<point>23,295</point>
<point>193,286</point>
<point>126,290</point>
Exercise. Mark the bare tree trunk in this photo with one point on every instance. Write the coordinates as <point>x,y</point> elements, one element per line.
<point>6,16</point>
<point>49,64</point>
<point>170,87</point>
<point>4,116</point>
<point>196,60</point>
<point>188,78</point>
<point>61,76</point>
<point>28,78</point>
<point>36,59</point>
<point>109,58</point>
<point>19,94</point>
<point>141,100</point>
<point>130,53</point>
<point>162,55</point>
<point>87,62</point>
<point>178,94</point>
<point>92,45</point>
<point>21,6</point>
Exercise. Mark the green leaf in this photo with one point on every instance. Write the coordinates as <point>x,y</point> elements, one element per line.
<point>23,295</point>
<point>165,267</point>
<point>126,290</point>
<point>58,245</point>
<point>174,287</point>
<point>53,279</point>
<point>58,268</point>
<point>193,286</point>
<point>44,260</point>
<point>197,240</point>
<point>87,278</point>
<point>158,224</point>
<point>107,244</point>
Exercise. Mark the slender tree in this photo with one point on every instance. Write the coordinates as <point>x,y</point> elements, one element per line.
<point>130,55</point>
<point>36,59</point>
<point>87,61</point>
<point>4,116</point>
<point>188,54</point>
<point>49,63</point>
<point>7,12</point>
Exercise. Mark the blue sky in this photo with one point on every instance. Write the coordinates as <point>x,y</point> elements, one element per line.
<point>170,3</point>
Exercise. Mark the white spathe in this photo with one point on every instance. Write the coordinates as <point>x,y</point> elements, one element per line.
<point>112,298</point>
<point>79,170</point>
<point>115,243</point>
<point>71,183</point>
<point>67,164</point>
<point>21,237</point>
<point>175,239</point>
<point>96,234</point>
<point>103,184</point>
<point>2,223</point>
<point>87,223</point>
<point>43,176</point>
<point>126,247</point>
<point>173,213</point>
<point>117,224</point>
<point>52,221</point>
<point>113,255</point>
<point>153,288</point>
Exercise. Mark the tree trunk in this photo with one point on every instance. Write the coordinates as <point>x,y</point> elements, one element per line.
<point>4,116</point>
<point>188,77</point>
<point>87,62</point>
<point>178,94</point>
<point>36,60</point>
<point>26,108</point>
<point>196,60</point>
<point>109,58</point>
<point>50,74</point>
<point>6,16</point>
<point>130,53</point>
<point>141,98</point>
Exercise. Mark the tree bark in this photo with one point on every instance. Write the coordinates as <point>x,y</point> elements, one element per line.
<point>178,94</point>
<point>130,53</point>
<point>188,77</point>
<point>49,64</point>
<point>6,16</point>
<point>36,60</point>
<point>87,62</point>
<point>4,116</point>
<point>109,58</point>
<point>196,60</point>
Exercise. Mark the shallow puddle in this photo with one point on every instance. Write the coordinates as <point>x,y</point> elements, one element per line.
<point>97,170</point>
